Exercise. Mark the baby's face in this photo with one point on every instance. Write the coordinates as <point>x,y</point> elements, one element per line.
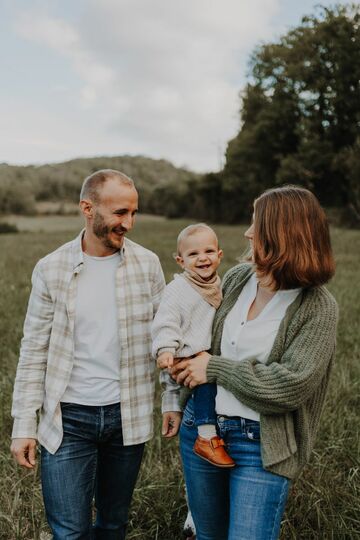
<point>200,253</point>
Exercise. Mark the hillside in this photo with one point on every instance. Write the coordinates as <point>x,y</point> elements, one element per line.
<point>22,186</point>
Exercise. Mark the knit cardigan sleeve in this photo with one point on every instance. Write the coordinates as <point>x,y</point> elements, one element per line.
<point>298,361</point>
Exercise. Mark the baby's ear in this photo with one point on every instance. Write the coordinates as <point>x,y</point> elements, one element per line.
<point>179,260</point>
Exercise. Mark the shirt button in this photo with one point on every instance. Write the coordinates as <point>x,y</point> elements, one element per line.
<point>233,343</point>
<point>242,324</point>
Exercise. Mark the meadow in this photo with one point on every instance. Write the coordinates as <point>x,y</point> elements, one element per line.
<point>324,502</point>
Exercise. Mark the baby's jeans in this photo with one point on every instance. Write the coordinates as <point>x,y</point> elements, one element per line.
<point>204,404</point>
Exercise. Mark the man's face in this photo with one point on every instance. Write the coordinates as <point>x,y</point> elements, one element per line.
<point>114,215</point>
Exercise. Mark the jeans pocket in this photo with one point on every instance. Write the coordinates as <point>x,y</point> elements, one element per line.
<point>188,417</point>
<point>253,431</point>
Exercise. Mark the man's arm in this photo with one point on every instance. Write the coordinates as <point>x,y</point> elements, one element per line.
<point>171,392</point>
<point>30,376</point>
<point>157,284</point>
<point>170,407</point>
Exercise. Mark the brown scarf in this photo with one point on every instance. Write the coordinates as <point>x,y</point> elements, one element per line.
<point>209,290</point>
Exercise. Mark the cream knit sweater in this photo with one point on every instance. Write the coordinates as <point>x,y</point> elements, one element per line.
<point>182,324</point>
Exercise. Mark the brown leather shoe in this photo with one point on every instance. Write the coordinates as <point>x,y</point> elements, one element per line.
<point>213,451</point>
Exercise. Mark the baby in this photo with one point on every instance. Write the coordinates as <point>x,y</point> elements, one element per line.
<point>182,327</point>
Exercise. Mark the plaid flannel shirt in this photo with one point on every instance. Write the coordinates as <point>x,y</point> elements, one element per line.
<point>47,348</point>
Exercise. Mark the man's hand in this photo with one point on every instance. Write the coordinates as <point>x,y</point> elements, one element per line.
<point>171,423</point>
<point>165,360</point>
<point>191,372</point>
<point>24,451</point>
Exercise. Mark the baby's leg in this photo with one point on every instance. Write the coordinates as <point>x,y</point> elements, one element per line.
<point>204,410</point>
<point>208,445</point>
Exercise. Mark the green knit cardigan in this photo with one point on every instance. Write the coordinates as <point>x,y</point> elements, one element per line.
<point>289,389</point>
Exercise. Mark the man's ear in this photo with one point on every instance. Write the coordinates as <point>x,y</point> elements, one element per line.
<point>86,208</point>
<point>179,260</point>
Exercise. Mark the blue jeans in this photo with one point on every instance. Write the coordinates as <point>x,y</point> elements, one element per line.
<point>91,460</point>
<point>204,404</point>
<point>242,503</point>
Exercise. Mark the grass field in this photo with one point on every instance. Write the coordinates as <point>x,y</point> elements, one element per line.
<point>324,502</point>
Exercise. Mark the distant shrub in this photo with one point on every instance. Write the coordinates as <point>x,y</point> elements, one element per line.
<point>16,198</point>
<point>8,228</point>
<point>346,217</point>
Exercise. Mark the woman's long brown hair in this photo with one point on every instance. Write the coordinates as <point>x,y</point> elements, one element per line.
<point>291,245</point>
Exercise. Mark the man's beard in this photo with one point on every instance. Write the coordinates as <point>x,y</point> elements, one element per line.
<point>102,231</point>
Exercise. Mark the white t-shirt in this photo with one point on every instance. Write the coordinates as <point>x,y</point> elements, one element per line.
<point>242,339</point>
<point>96,372</point>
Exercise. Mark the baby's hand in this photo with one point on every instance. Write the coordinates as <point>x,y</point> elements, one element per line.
<point>165,360</point>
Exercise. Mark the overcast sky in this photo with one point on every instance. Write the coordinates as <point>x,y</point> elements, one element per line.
<point>161,78</point>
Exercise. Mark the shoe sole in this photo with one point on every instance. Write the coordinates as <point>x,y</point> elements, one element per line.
<point>231,466</point>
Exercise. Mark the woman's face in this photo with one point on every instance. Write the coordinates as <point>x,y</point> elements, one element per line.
<point>249,233</point>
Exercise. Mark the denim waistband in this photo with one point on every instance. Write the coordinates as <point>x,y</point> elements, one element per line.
<point>236,421</point>
<point>89,408</point>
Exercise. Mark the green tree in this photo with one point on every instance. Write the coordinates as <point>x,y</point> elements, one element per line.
<point>300,114</point>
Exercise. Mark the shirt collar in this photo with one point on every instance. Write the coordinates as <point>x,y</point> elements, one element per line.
<point>279,292</point>
<point>78,256</point>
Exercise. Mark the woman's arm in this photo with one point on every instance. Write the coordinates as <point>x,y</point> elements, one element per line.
<point>279,386</point>
<point>170,406</point>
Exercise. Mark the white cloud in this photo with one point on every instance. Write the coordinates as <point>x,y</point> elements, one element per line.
<point>88,96</point>
<point>43,29</point>
<point>61,36</point>
<point>159,78</point>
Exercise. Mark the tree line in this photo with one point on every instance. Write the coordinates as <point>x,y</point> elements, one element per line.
<point>299,123</point>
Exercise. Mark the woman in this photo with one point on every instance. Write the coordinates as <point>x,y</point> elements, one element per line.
<point>273,345</point>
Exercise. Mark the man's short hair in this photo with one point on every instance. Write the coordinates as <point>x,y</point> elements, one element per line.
<point>192,229</point>
<point>93,184</point>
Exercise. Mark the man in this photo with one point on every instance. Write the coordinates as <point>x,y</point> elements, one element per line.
<point>85,365</point>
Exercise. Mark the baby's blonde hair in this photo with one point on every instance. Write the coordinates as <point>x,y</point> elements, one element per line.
<point>189,230</point>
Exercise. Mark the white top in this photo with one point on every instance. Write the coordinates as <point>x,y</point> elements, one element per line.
<point>242,339</point>
<point>183,321</point>
<point>95,377</point>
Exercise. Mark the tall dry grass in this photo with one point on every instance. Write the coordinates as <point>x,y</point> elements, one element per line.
<point>324,502</point>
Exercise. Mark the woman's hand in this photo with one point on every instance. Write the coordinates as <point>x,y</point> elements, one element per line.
<point>191,371</point>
